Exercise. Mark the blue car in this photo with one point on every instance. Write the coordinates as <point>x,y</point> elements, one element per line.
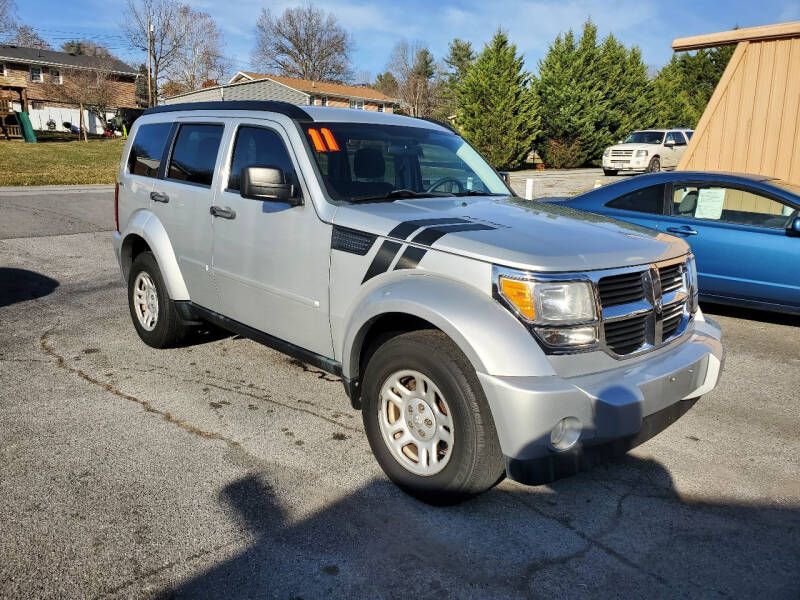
<point>744,230</point>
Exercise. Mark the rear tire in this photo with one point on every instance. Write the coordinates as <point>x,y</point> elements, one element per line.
<point>154,314</point>
<point>610,172</point>
<point>440,392</point>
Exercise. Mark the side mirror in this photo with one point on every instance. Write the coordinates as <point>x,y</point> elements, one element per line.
<point>267,183</point>
<point>793,230</point>
<point>505,177</point>
<point>669,143</point>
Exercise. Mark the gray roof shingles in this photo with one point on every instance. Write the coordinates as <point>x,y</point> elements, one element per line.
<point>62,59</point>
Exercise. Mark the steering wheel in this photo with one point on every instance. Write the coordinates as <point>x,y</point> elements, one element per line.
<point>442,181</point>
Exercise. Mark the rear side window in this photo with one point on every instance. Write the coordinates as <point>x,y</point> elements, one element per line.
<point>647,200</point>
<point>194,154</point>
<point>259,147</point>
<point>147,148</point>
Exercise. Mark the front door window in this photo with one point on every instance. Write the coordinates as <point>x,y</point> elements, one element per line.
<point>729,205</point>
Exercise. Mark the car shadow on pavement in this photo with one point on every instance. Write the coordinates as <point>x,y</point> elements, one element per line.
<point>621,530</point>
<point>750,314</point>
<point>19,285</point>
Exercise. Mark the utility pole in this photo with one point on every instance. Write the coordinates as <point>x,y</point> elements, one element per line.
<point>149,62</point>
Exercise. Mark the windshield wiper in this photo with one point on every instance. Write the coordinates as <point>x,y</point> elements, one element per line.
<point>477,193</point>
<point>395,194</point>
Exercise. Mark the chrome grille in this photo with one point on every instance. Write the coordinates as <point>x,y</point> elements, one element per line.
<point>626,335</point>
<point>643,308</point>
<point>671,277</point>
<point>671,319</point>
<point>622,153</point>
<point>621,289</point>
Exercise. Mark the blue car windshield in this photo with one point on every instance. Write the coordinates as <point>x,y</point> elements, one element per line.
<point>645,137</point>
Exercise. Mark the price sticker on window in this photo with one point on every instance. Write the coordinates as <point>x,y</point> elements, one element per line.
<point>709,203</point>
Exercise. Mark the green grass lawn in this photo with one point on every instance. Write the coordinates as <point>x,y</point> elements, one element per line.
<point>59,162</point>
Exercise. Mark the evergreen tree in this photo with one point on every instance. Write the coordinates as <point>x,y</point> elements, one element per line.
<point>458,60</point>
<point>589,95</point>
<point>682,88</point>
<point>496,106</point>
<point>386,84</point>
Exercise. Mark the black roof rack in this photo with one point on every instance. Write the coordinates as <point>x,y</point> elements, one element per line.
<point>284,108</point>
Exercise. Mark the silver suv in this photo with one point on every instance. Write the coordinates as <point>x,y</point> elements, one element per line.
<point>479,333</point>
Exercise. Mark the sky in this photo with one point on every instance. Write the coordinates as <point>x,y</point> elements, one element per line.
<point>377,25</point>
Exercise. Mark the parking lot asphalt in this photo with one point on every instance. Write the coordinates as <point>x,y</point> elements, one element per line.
<point>226,470</point>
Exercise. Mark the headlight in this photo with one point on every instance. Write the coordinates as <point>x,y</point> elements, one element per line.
<point>641,153</point>
<point>691,274</point>
<point>550,302</point>
<point>607,151</point>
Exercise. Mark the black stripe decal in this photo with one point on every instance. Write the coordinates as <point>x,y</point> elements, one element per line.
<point>413,254</point>
<point>406,228</point>
<point>383,259</point>
<point>410,258</point>
<point>388,250</point>
<point>429,236</point>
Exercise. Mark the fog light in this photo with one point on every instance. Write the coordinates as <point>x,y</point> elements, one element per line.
<point>568,336</point>
<point>565,434</point>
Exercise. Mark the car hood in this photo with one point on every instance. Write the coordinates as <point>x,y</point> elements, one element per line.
<point>631,146</point>
<point>513,232</point>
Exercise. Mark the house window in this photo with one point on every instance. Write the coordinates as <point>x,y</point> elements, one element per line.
<point>312,100</point>
<point>324,101</point>
<point>36,74</point>
<point>36,105</point>
<point>381,108</point>
<point>359,104</point>
<point>55,76</point>
<point>3,71</point>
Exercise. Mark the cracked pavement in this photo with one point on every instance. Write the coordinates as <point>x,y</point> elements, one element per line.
<point>225,469</point>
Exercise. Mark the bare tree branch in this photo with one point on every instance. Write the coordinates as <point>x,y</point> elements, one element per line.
<point>303,42</point>
<point>168,34</point>
<point>199,58</point>
<point>419,79</point>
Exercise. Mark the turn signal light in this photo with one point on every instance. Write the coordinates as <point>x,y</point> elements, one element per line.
<point>519,294</point>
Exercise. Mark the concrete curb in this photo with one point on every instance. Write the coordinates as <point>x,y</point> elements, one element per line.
<point>43,189</point>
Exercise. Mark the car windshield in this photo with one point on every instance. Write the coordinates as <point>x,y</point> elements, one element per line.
<point>645,137</point>
<point>362,162</point>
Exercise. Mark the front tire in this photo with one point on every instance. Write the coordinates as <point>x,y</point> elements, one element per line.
<point>654,166</point>
<point>427,419</point>
<point>154,314</point>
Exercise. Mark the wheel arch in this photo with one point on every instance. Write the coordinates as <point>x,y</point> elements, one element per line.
<point>146,232</point>
<point>491,338</point>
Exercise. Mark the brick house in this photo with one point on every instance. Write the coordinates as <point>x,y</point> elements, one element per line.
<point>258,86</point>
<point>27,76</point>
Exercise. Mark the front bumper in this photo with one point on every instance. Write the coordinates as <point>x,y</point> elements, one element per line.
<point>618,408</point>
<point>626,164</point>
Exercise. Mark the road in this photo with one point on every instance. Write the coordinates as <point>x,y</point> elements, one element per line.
<point>224,469</point>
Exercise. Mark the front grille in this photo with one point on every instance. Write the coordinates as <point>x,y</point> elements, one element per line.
<point>621,289</point>
<point>671,278</point>
<point>628,293</point>
<point>627,335</point>
<point>622,153</point>
<point>673,315</point>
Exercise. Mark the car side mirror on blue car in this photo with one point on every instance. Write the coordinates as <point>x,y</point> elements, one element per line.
<point>793,229</point>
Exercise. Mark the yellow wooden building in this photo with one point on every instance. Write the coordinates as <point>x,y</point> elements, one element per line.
<point>752,122</point>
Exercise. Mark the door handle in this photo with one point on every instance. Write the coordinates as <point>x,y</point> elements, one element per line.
<point>224,213</point>
<point>159,197</point>
<point>685,230</point>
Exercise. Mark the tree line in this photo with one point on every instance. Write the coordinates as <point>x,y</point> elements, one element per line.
<point>586,94</point>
